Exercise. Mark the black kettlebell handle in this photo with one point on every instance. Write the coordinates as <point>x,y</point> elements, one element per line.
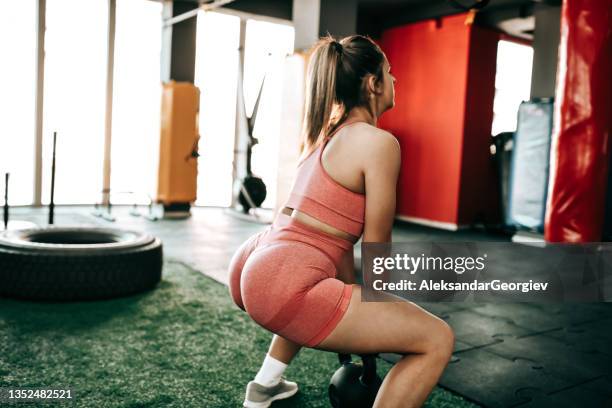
<point>344,358</point>
<point>369,366</point>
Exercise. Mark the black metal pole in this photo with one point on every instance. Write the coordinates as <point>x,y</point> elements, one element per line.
<point>51,203</point>
<point>6,206</point>
<point>108,204</point>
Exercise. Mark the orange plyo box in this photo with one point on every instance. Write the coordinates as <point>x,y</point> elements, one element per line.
<point>178,167</point>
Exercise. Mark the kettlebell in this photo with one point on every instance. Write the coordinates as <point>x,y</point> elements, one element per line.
<point>354,384</point>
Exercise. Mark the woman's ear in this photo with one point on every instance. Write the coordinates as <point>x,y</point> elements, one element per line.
<point>373,85</point>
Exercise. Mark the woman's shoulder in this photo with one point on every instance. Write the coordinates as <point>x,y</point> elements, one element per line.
<point>372,140</point>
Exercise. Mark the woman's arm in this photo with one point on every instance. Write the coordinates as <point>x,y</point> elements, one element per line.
<point>381,170</point>
<point>381,166</point>
<point>346,272</point>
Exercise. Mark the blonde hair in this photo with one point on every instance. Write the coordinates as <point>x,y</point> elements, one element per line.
<point>335,84</point>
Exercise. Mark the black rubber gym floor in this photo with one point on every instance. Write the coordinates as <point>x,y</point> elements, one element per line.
<point>506,355</point>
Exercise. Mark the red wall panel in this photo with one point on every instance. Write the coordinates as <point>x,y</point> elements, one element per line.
<point>433,64</point>
<point>477,196</point>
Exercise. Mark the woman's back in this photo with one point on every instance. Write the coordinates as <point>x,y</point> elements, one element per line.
<point>344,155</point>
<point>330,185</point>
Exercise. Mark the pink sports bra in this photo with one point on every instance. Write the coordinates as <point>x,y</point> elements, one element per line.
<point>315,193</point>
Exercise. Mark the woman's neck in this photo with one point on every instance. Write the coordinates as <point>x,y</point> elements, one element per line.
<point>361,114</point>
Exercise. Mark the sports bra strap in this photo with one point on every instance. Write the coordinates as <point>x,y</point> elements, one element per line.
<point>318,195</point>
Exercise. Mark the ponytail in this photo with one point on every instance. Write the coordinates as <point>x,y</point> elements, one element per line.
<point>320,92</point>
<point>335,84</point>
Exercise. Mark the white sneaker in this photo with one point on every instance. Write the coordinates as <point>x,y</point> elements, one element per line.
<point>259,396</point>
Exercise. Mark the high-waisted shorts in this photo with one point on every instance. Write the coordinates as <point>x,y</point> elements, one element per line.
<point>285,278</point>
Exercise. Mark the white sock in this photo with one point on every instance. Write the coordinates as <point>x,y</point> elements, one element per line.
<point>270,372</point>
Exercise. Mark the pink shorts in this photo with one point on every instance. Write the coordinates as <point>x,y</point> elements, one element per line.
<point>285,279</point>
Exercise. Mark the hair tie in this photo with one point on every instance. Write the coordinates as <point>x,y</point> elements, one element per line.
<point>337,46</point>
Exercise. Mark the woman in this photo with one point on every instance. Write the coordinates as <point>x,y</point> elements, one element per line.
<point>296,278</point>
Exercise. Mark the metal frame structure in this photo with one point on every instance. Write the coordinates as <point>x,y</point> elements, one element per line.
<point>108,119</point>
<point>39,110</point>
<point>193,13</point>
<point>40,85</point>
<point>243,15</point>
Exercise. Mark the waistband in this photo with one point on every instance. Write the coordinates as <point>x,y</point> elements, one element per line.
<point>284,221</point>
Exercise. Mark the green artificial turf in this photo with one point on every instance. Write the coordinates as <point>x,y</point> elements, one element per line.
<point>184,344</point>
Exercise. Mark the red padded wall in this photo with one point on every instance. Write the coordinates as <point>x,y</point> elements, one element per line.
<point>442,177</point>
<point>583,116</point>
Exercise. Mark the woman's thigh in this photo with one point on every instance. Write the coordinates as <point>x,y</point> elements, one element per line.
<point>395,326</point>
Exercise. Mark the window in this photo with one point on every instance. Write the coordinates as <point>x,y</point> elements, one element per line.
<point>136,101</point>
<point>267,45</point>
<point>18,31</point>
<point>216,76</point>
<point>512,84</point>
<point>75,98</point>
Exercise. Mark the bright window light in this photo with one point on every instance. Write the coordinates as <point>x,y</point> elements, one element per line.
<point>136,101</point>
<point>216,75</point>
<point>512,84</point>
<point>267,45</point>
<point>18,31</point>
<point>75,98</point>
